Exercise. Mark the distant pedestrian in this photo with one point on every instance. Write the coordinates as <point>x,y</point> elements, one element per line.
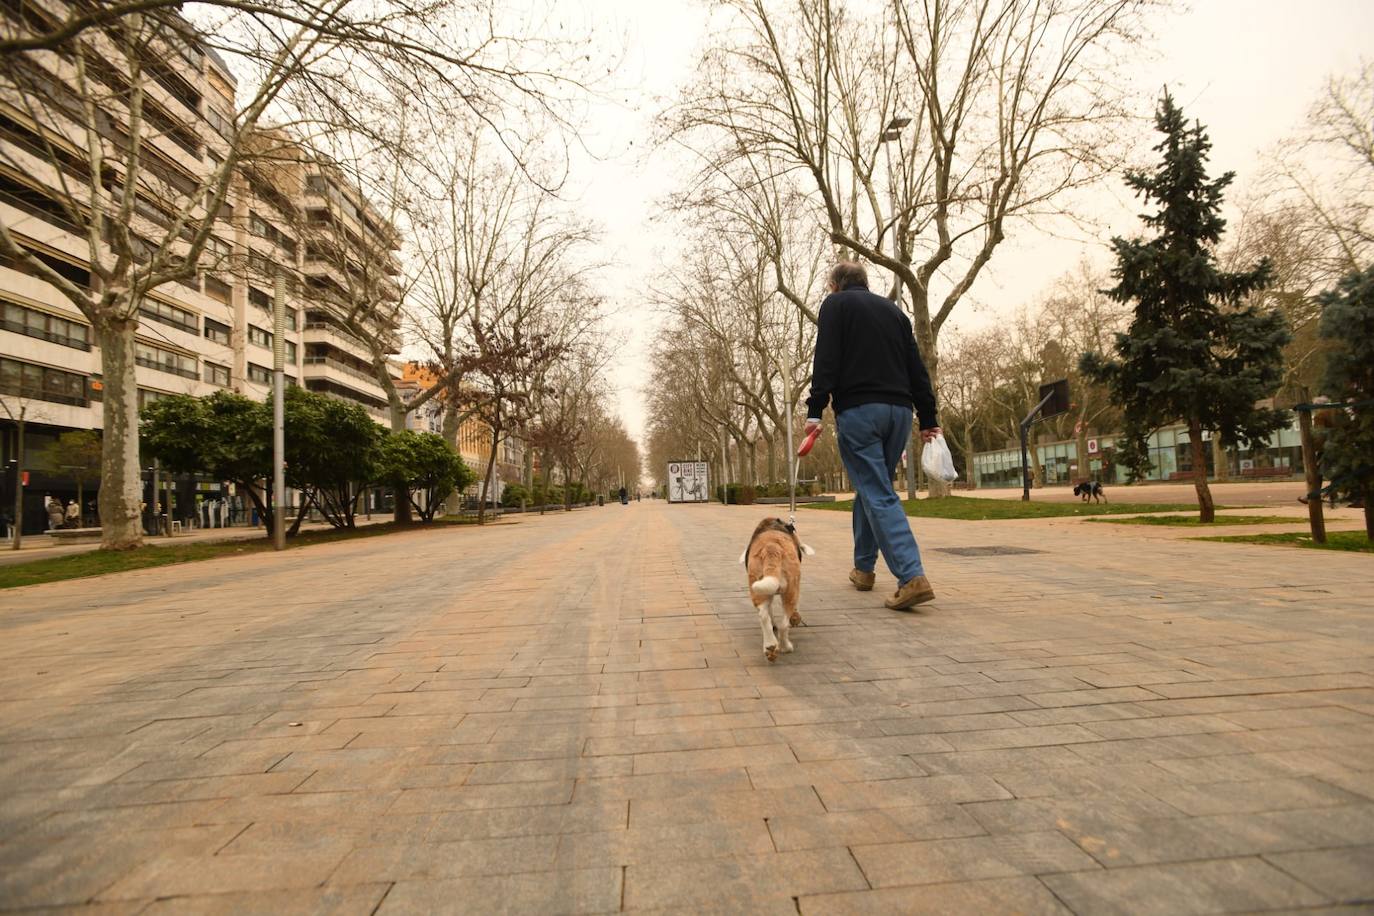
<point>55,514</point>
<point>624,497</point>
<point>73,514</point>
<point>867,364</point>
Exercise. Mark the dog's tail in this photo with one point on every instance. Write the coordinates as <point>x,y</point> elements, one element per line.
<point>767,586</point>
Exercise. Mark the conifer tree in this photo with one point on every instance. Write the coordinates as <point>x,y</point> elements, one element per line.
<point>1196,350</point>
<point>1348,454</point>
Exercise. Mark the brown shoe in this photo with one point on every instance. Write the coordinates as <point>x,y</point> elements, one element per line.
<point>863,581</point>
<point>913,592</point>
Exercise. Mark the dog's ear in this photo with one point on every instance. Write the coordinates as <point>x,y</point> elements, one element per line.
<point>806,549</point>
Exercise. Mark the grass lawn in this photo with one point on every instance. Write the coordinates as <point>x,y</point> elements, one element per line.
<point>974,509</point>
<point>102,562</point>
<point>1185,521</point>
<point>1335,540</point>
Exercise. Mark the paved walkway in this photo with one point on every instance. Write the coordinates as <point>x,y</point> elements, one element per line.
<point>573,714</point>
<point>42,547</point>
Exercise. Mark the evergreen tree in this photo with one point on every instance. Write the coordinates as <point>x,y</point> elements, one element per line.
<point>1195,351</point>
<point>1348,454</point>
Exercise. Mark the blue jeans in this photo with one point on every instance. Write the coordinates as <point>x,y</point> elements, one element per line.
<point>872,438</point>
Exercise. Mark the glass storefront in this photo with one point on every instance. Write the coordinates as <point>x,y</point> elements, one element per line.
<point>1170,455</point>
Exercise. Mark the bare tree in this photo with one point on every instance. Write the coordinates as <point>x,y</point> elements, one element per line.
<point>21,409</point>
<point>1326,171</point>
<point>109,157</point>
<point>1000,108</point>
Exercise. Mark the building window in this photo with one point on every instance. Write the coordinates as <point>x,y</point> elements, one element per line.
<point>259,337</point>
<point>33,323</point>
<point>148,396</point>
<point>290,352</point>
<point>25,380</point>
<point>167,314</point>
<point>216,332</point>
<point>73,272</point>
<point>260,374</point>
<point>218,290</point>
<point>217,375</point>
<point>292,320</point>
<point>152,357</point>
<point>317,183</point>
<point>223,124</point>
<point>218,248</point>
<point>260,299</point>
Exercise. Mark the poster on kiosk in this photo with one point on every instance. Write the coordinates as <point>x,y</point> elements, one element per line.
<point>687,482</point>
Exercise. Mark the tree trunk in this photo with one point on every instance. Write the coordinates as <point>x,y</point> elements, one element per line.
<point>486,481</point>
<point>400,511</point>
<point>1221,468</point>
<point>19,486</point>
<point>1206,508</point>
<point>970,475</point>
<point>772,460</point>
<point>1367,497</point>
<point>1085,462</point>
<point>121,482</point>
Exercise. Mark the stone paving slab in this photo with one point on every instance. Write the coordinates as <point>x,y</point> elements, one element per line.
<point>573,715</point>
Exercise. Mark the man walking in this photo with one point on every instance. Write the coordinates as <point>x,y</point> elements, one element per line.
<point>868,366</point>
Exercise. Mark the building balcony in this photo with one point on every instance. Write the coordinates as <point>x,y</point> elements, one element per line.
<point>339,372</point>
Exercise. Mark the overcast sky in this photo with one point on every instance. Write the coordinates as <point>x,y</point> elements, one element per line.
<point>1248,69</point>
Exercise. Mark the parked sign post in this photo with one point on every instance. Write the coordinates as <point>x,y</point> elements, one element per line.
<point>687,482</point>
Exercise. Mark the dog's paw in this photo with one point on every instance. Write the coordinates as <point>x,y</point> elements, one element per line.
<point>786,647</point>
<point>794,619</point>
<point>771,653</point>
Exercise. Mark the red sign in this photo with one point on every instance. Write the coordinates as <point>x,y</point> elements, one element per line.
<point>26,478</point>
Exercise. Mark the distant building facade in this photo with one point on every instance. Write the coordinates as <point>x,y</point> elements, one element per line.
<point>1170,459</point>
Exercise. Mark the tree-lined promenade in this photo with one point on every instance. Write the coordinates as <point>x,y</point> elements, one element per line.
<point>811,149</point>
<point>390,199</point>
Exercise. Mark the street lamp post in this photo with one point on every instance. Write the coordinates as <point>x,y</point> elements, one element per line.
<point>892,132</point>
<point>279,413</point>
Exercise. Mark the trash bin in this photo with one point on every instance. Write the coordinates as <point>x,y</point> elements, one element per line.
<point>601,499</point>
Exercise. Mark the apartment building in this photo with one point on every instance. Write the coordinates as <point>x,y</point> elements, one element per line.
<point>212,332</point>
<point>350,270</point>
<point>473,437</point>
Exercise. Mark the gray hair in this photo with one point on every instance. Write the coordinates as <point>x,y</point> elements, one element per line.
<point>848,273</point>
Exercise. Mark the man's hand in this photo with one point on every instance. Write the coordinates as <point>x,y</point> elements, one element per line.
<point>928,435</point>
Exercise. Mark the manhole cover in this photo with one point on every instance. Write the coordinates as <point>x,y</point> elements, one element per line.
<point>995,551</point>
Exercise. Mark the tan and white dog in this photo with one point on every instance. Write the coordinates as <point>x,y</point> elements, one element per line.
<point>773,559</point>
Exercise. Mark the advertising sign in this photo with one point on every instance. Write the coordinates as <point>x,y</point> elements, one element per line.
<point>687,482</point>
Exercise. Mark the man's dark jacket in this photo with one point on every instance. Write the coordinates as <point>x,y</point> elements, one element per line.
<point>866,354</point>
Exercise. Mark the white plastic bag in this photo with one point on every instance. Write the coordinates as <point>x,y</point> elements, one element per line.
<point>937,460</point>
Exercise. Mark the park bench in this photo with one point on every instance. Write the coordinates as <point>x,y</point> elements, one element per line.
<point>74,535</point>
<point>1266,472</point>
